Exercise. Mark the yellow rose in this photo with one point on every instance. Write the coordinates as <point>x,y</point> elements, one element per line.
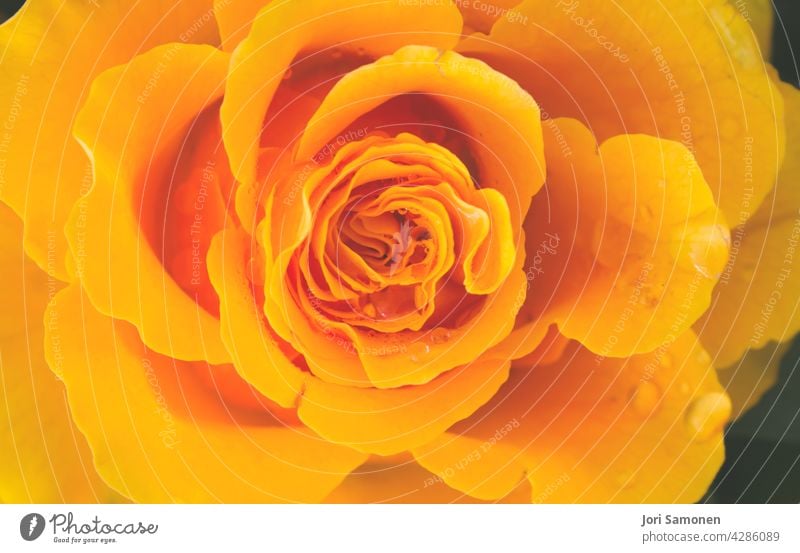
<point>411,250</point>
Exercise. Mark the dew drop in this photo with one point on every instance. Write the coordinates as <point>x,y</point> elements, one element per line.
<point>707,414</point>
<point>440,335</point>
<point>418,351</point>
<point>645,397</point>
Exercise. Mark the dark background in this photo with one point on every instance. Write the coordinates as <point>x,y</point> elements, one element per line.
<point>763,447</point>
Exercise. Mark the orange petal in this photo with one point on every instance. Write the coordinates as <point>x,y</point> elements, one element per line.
<point>159,434</point>
<point>283,30</point>
<point>757,298</point>
<point>50,51</point>
<point>390,421</point>
<point>625,243</point>
<point>130,125</point>
<point>500,119</point>
<point>588,429</point>
<point>689,71</point>
<point>45,458</point>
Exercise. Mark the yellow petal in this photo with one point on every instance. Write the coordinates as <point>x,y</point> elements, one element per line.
<point>495,113</point>
<point>757,298</point>
<point>687,70</point>
<point>253,346</point>
<point>50,52</point>
<point>624,245</point>
<point>45,458</point>
<point>130,125</point>
<point>285,29</point>
<point>588,429</point>
<point>385,422</point>
<point>161,431</point>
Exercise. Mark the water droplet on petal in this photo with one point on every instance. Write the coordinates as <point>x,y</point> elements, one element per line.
<point>645,397</point>
<point>440,335</point>
<point>708,414</point>
<point>418,351</point>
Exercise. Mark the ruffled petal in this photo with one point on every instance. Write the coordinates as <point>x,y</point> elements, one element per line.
<point>283,30</point>
<point>587,429</point>
<point>45,458</point>
<point>687,70</point>
<point>51,51</point>
<point>166,430</point>
<point>132,123</point>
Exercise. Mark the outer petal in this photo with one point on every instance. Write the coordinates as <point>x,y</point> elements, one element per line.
<point>758,297</point>
<point>589,429</point>
<point>130,125</point>
<point>45,458</point>
<point>688,70</point>
<point>50,52</point>
<point>160,433</point>
<point>283,30</point>
<point>625,243</point>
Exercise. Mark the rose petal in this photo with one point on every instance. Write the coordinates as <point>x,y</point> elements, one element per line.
<point>158,434</point>
<point>684,70</point>
<point>625,244</point>
<point>583,429</point>
<point>500,119</point>
<point>45,458</point>
<point>385,422</point>
<point>51,51</point>
<point>758,297</point>
<point>133,117</point>
<point>283,30</point>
